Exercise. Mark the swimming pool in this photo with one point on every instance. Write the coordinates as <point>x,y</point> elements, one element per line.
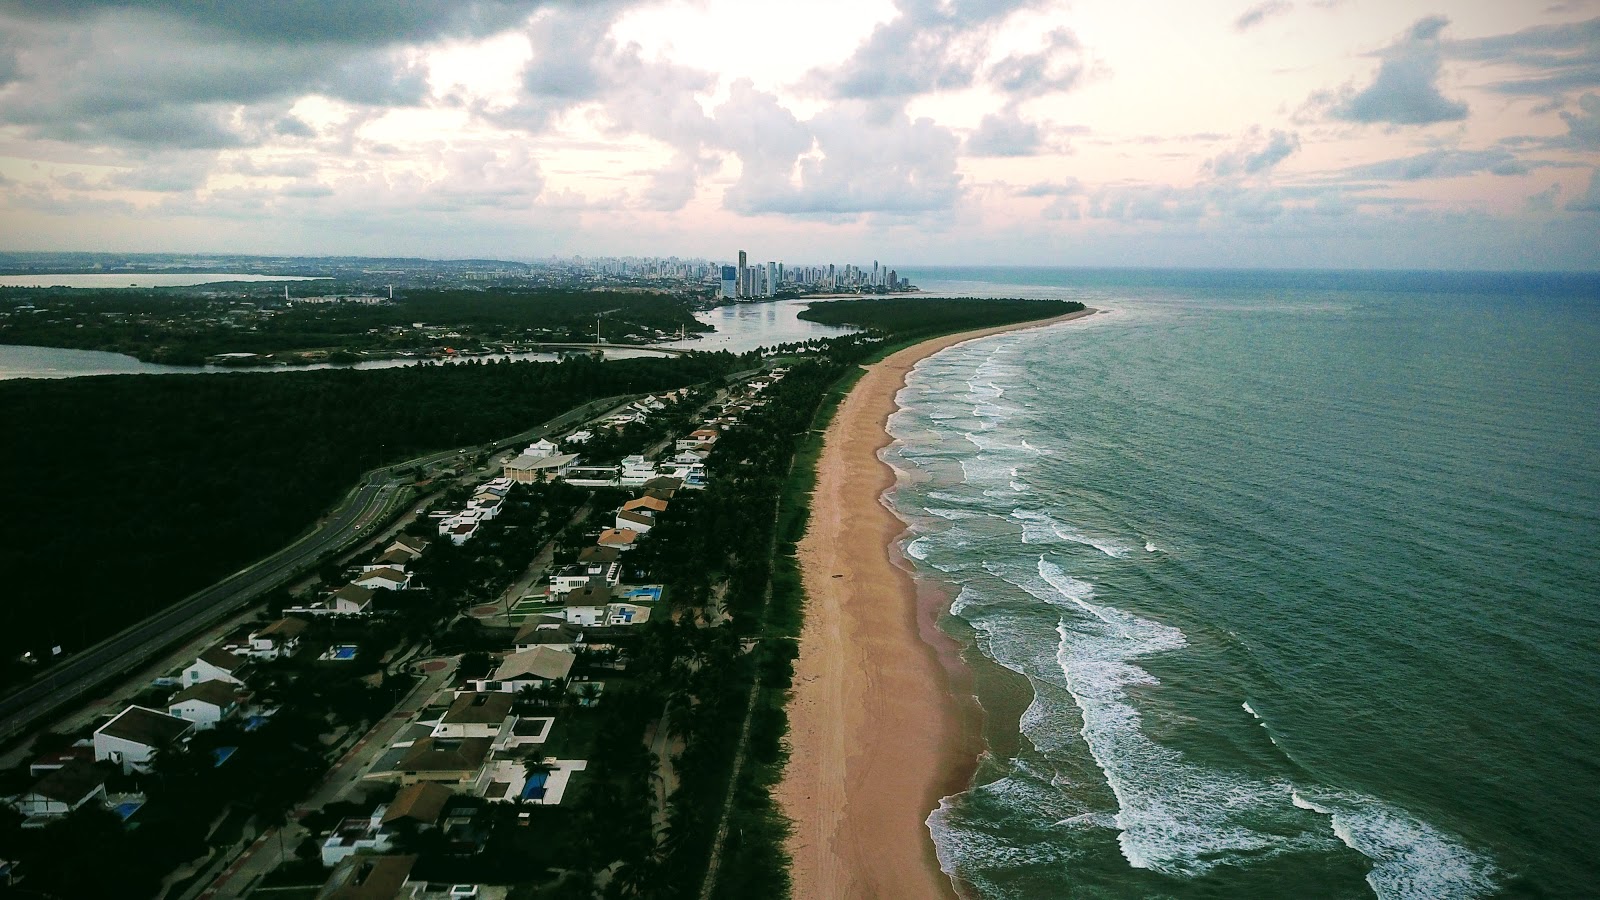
<point>650,593</point>
<point>534,789</point>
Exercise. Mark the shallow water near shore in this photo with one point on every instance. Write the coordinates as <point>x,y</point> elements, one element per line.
<point>1302,581</point>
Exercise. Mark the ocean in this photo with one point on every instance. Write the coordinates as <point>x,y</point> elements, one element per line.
<point>1273,584</point>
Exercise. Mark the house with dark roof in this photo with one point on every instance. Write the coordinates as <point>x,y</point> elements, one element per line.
<point>137,735</point>
<point>388,579</point>
<point>443,760</point>
<point>364,877</point>
<point>62,791</point>
<point>281,638</point>
<point>217,664</point>
<point>640,520</point>
<point>205,704</point>
<point>557,635</point>
<point>474,714</point>
<point>586,605</point>
<point>420,804</point>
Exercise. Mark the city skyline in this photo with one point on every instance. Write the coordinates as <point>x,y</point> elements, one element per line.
<point>1312,134</point>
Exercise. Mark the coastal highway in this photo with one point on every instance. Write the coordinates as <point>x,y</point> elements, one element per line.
<point>365,509</point>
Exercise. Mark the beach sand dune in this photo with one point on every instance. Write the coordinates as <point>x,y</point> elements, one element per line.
<point>882,724</point>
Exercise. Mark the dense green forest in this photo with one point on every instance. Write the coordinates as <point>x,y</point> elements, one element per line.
<point>910,317</point>
<point>186,325</point>
<point>127,492</point>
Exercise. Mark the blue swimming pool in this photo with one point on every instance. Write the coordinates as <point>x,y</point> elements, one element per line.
<point>534,789</point>
<point>647,594</point>
<point>345,651</point>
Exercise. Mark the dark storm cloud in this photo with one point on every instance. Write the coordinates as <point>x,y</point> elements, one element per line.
<point>362,22</point>
<point>1405,90</point>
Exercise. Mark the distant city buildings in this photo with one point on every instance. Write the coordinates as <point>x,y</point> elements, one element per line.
<point>752,282</point>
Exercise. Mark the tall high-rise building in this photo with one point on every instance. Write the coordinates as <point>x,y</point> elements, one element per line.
<point>744,277</point>
<point>772,280</point>
<point>780,275</point>
<point>730,283</point>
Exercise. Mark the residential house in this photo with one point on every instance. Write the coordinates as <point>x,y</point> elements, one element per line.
<point>548,631</point>
<point>281,638</point>
<point>416,805</point>
<point>62,791</point>
<point>80,751</point>
<point>350,600</point>
<point>384,579</point>
<point>640,520</point>
<point>217,664</point>
<point>648,502</point>
<point>408,544</point>
<point>636,470</point>
<point>591,476</point>
<point>355,835</point>
<point>569,578</point>
<point>621,538</point>
<point>443,760</point>
<point>579,437</point>
<point>528,469</point>
<point>390,559</point>
<point>205,704</point>
<point>527,668</point>
<point>586,605</point>
<point>475,714</point>
<point>136,736</point>
<point>542,447</point>
<point>365,877</point>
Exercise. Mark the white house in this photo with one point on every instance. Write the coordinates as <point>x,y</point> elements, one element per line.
<point>529,469</point>
<point>205,704</point>
<point>640,520</point>
<point>568,579</point>
<point>543,447</point>
<point>397,558</point>
<point>350,600</point>
<point>636,470</point>
<point>586,605</point>
<point>475,714</point>
<point>217,664</point>
<point>580,437</point>
<point>134,738</point>
<point>61,791</point>
<point>384,579</point>
<point>281,638</point>
<point>526,668</point>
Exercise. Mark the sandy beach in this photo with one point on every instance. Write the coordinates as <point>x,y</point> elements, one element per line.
<point>882,721</point>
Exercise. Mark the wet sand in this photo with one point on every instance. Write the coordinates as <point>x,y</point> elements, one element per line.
<point>882,719</point>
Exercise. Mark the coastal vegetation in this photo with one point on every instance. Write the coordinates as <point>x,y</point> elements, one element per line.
<point>129,492</point>
<point>188,326</point>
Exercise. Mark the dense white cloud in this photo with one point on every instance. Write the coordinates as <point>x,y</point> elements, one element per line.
<point>929,126</point>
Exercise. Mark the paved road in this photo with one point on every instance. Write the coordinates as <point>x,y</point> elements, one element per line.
<point>368,507</point>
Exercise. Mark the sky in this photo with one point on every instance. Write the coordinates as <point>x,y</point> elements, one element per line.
<point>1279,133</point>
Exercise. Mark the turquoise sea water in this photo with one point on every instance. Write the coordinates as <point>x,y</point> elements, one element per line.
<point>1303,575</point>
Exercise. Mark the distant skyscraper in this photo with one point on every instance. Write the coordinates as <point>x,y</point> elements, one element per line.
<point>744,277</point>
<point>772,280</point>
<point>730,282</point>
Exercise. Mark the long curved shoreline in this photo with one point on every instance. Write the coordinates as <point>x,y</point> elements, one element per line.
<point>882,722</point>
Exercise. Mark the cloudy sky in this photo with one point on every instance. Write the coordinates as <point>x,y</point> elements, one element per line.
<point>1340,133</point>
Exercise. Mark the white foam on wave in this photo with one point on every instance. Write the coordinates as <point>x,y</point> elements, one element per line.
<point>1251,710</point>
<point>985,389</point>
<point>917,549</point>
<point>1151,548</point>
<point>1042,528</point>
<point>952,514</point>
<point>1175,817</point>
<point>985,469</point>
<point>1411,859</point>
